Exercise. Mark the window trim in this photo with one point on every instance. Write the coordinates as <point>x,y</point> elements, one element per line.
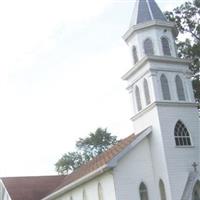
<point>153,50</point>
<point>182,85</point>
<point>197,183</point>
<point>142,183</point>
<point>161,183</point>
<point>134,54</point>
<point>168,87</point>
<point>138,99</point>
<point>170,50</point>
<point>182,146</point>
<point>146,92</point>
<point>84,196</point>
<point>100,191</point>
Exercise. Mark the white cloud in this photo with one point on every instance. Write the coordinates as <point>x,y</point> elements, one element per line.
<point>45,108</point>
<point>53,91</point>
<point>25,24</point>
<point>35,108</point>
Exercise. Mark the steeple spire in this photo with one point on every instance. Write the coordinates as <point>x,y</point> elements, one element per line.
<point>146,10</point>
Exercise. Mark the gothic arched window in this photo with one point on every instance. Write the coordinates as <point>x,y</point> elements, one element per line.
<point>135,56</point>
<point>3,194</point>
<point>162,190</point>
<point>138,99</point>
<point>148,47</point>
<point>179,88</point>
<point>146,92</point>
<point>181,134</point>
<point>100,191</point>
<point>165,46</point>
<point>84,195</point>
<point>196,191</point>
<point>165,87</point>
<point>143,192</point>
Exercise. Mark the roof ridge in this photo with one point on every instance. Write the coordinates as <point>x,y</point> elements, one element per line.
<point>37,176</point>
<point>150,11</point>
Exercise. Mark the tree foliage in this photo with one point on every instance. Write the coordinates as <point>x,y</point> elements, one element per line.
<point>95,143</point>
<point>69,162</point>
<point>187,20</point>
<point>87,148</point>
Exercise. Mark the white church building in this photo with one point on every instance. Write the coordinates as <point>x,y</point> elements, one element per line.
<point>160,161</point>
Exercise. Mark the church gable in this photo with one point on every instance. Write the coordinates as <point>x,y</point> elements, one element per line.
<point>100,164</point>
<point>133,170</point>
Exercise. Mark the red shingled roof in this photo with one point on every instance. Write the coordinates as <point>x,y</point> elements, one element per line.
<point>36,188</point>
<point>98,161</point>
<point>31,188</point>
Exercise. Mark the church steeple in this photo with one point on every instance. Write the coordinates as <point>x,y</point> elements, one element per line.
<point>157,76</point>
<point>150,33</point>
<point>145,11</point>
<point>162,97</point>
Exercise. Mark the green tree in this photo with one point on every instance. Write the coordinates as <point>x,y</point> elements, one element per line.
<point>95,143</point>
<point>87,148</point>
<point>187,20</point>
<point>69,162</point>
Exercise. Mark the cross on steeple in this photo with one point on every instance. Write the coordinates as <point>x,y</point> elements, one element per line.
<point>194,165</point>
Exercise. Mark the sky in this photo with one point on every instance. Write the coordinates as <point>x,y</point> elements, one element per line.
<point>61,64</point>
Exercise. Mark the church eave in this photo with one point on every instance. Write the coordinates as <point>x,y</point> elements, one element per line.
<point>76,183</point>
<point>149,24</point>
<point>154,58</point>
<point>163,103</point>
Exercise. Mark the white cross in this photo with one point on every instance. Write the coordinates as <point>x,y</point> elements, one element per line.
<point>195,166</point>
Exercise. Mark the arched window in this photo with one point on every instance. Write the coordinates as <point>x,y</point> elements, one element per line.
<point>143,192</point>
<point>148,47</point>
<point>179,88</point>
<point>162,190</point>
<point>165,46</point>
<point>146,92</point>
<point>84,195</point>
<point>165,87</point>
<point>135,56</point>
<point>181,134</point>
<point>196,191</point>
<point>3,194</point>
<point>100,191</point>
<point>138,99</point>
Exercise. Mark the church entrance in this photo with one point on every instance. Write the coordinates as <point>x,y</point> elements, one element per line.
<point>196,191</point>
